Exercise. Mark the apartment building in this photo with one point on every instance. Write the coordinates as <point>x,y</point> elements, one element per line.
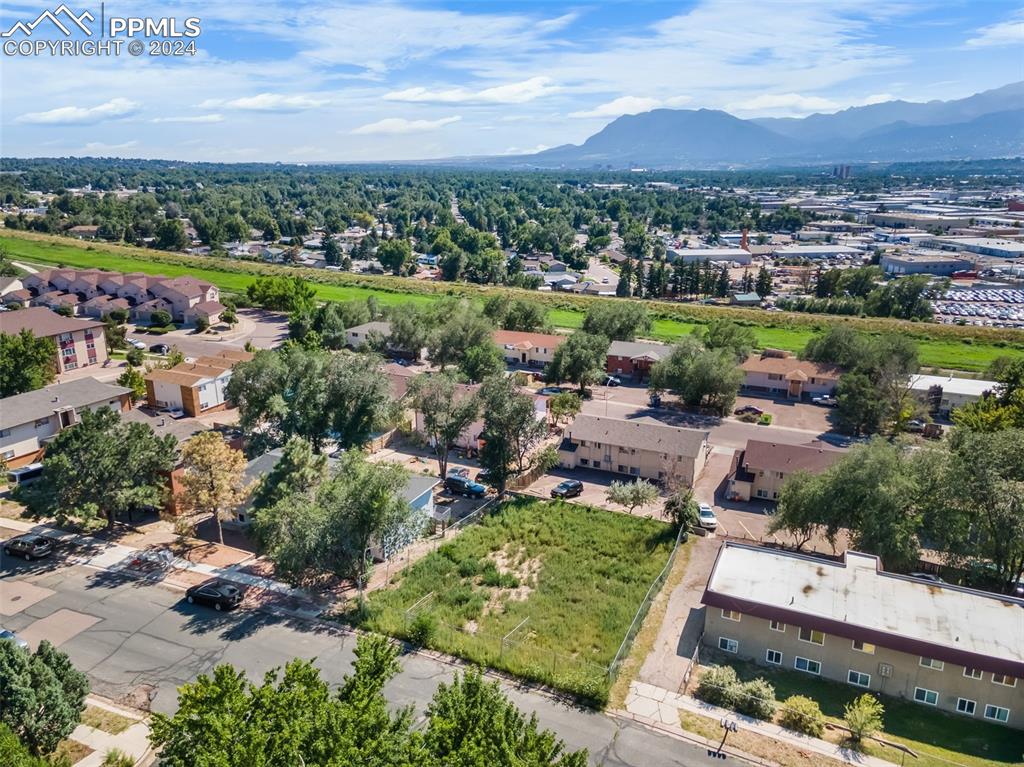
<point>357,336</point>
<point>533,349</point>
<point>80,343</point>
<point>194,387</point>
<point>938,645</point>
<point>634,359</point>
<point>761,468</point>
<point>642,447</point>
<point>949,393</point>
<point>29,420</point>
<point>779,373</point>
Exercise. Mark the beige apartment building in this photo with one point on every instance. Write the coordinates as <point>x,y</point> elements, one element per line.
<point>195,387</point>
<point>80,343</point>
<point>761,468</point>
<point>534,349</point>
<point>644,447</point>
<point>780,374</point>
<point>938,645</point>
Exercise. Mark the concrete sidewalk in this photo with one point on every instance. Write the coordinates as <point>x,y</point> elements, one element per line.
<point>133,741</point>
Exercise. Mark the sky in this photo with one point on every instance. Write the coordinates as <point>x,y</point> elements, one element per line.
<point>296,81</point>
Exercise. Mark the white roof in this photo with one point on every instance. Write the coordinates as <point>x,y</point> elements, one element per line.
<point>971,387</point>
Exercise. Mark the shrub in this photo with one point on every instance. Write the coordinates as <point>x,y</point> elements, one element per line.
<point>135,357</point>
<point>801,714</point>
<point>202,324</point>
<point>864,717</point>
<point>718,686</point>
<point>756,698</point>
<point>423,629</point>
<point>160,318</point>
<point>765,419</point>
<point>115,757</point>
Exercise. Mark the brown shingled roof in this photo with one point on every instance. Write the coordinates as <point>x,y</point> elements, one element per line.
<point>42,322</point>
<point>785,366</point>
<point>771,456</point>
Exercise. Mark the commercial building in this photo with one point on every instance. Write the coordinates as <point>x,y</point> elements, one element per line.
<point>935,644</point>
<point>779,373</point>
<point>29,420</point>
<point>691,255</point>
<point>938,264</point>
<point>983,246</point>
<point>642,447</point>
<point>80,343</point>
<point>947,393</point>
<point>533,349</point>
<point>634,359</point>
<point>194,387</point>
<point>816,251</point>
<point>760,468</point>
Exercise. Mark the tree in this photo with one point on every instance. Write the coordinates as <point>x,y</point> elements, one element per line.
<point>681,509</point>
<point>724,334</point>
<point>161,318</point>
<point>515,313</point>
<point>511,429</point>
<point>135,357</point>
<point>14,754</point>
<point>27,363</point>
<point>463,327</point>
<point>482,361</point>
<point>395,255</point>
<point>229,316</point>
<point>858,408</point>
<point>282,294</point>
<point>132,379</point>
<point>332,252</point>
<point>580,359</point>
<point>632,494</point>
<point>700,377</point>
<point>763,283</point>
<point>617,320</point>
<point>564,406</point>
<point>42,695</point>
<point>863,717</point>
<point>170,235</point>
<point>799,510</point>
<point>213,481</point>
<point>802,714</point>
<point>101,468</point>
<point>299,471</point>
<point>447,411</point>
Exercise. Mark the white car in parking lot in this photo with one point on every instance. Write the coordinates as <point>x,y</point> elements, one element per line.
<point>706,517</point>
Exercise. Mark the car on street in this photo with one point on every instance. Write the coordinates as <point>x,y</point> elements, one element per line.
<point>10,636</point>
<point>748,410</point>
<point>464,486</point>
<point>552,390</point>
<point>706,517</point>
<point>825,401</point>
<point>140,345</point>
<point>569,488</point>
<point>218,594</point>
<point>916,426</point>
<point>160,349</point>
<point>612,381</point>
<point>29,546</point>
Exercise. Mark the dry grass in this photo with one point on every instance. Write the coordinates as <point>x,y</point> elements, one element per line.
<point>108,721</point>
<point>70,750</point>
<point>783,754</point>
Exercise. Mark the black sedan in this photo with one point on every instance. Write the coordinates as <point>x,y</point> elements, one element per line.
<point>29,546</point>
<point>218,594</point>
<point>570,488</point>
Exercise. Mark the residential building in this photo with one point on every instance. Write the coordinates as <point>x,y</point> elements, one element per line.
<point>10,285</point>
<point>184,294</point>
<point>642,447</point>
<point>760,468</point>
<point>950,393</point>
<point>533,349</point>
<point>29,420</point>
<point>939,264</point>
<point>356,337</point>
<point>779,373</point>
<point>938,645</point>
<point>634,359</point>
<point>80,343</point>
<point>196,387</point>
<point>745,299</point>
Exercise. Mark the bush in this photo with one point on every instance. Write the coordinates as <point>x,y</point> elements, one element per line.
<point>423,629</point>
<point>202,324</point>
<point>115,757</point>
<point>160,318</point>
<point>756,698</point>
<point>765,419</point>
<point>864,717</point>
<point>801,714</point>
<point>718,686</point>
<point>135,357</point>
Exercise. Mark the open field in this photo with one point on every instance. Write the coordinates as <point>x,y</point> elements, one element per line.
<point>940,346</point>
<point>543,590</point>
<point>938,738</point>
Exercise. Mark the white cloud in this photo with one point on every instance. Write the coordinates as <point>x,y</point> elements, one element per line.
<point>877,98</point>
<point>71,115</point>
<point>1009,32</point>
<point>210,118</point>
<point>528,150</point>
<point>789,103</point>
<point>630,105</point>
<point>509,93</point>
<point>268,102</point>
<point>400,126</point>
<point>98,147</point>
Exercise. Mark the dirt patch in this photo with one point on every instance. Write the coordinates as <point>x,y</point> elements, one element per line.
<point>515,563</point>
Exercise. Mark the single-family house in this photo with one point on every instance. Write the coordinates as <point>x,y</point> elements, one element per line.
<point>779,373</point>
<point>634,359</point>
<point>356,337</point>
<point>533,349</point>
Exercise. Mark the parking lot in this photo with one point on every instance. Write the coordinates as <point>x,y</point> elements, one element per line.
<point>992,307</point>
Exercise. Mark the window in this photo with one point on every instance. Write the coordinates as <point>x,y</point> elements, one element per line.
<point>584,462</point>
<point>5,432</point>
<point>865,647</point>
<point>729,645</point>
<point>731,615</point>
<point>41,422</point>
<point>90,345</point>
<point>997,713</point>
<point>70,365</point>
<point>929,697</point>
<point>804,664</point>
<point>973,673</point>
<point>65,337</point>
<point>634,471</point>
<point>622,469</point>
<point>762,493</point>
<point>935,665</point>
<point>69,352</point>
<point>8,454</point>
<point>965,706</point>
<point>776,626</point>
<point>774,657</point>
<point>858,678</point>
<point>813,636</point>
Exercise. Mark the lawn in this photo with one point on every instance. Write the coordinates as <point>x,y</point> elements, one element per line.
<point>968,353</point>
<point>564,581</point>
<point>938,738</point>
<point>104,720</point>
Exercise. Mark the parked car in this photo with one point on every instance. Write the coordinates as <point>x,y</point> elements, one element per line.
<point>927,577</point>
<point>748,410</point>
<point>136,343</point>
<point>916,426</point>
<point>29,546</point>
<point>612,381</point>
<point>706,517</point>
<point>10,636</point>
<point>570,488</point>
<point>458,471</point>
<point>464,486</point>
<point>218,594</point>
<point>160,349</point>
<point>552,390</point>
<point>825,401</point>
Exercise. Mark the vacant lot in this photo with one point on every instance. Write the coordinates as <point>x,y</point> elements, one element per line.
<point>541,589</point>
<point>967,353</point>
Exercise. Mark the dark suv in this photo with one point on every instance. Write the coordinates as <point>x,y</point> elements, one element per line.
<point>570,488</point>
<point>218,594</point>
<point>29,546</point>
<point>464,486</point>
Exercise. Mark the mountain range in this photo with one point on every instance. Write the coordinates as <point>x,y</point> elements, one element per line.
<point>983,126</point>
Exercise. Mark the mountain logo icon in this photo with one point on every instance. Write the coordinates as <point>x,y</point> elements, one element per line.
<point>61,17</point>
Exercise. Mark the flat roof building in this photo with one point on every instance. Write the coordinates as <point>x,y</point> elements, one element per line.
<point>939,264</point>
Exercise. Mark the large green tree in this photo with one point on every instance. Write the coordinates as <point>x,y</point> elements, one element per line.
<point>27,363</point>
<point>580,359</point>
<point>617,320</point>
<point>283,294</point>
<point>395,255</point>
<point>299,470</point>
<point>447,411</point>
<point>699,377</point>
<point>511,430</point>
<point>724,334</point>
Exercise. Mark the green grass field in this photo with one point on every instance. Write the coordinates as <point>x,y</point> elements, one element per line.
<point>966,354</point>
<point>575,575</point>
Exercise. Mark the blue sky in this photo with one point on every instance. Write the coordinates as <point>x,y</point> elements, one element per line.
<point>287,80</point>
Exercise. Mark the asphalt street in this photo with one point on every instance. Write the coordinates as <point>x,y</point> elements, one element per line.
<point>147,639</point>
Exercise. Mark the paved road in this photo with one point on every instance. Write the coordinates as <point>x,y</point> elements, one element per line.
<point>146,635</point>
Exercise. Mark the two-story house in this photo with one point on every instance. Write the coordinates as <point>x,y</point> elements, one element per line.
<point>779,373</point>
<point>760,469</point>
<point>533,349</point>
